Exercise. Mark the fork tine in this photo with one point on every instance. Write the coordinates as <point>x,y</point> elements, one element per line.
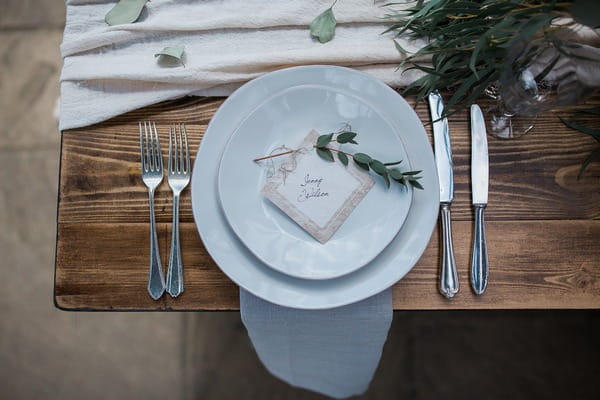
<point>152,147</point>
<point>149,158</point>
<point>174,153</point>
<point>170,162</point>
<point>175,150</point>
<point>180,166</point>
<point>187,152</point>
<point>177,133</point>
<point>158,154</point>
<point>142,148</point>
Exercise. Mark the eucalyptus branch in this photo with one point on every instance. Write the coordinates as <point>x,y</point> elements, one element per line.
<point>365,161</point>
<point>386,170</point>
<point>468,42</point>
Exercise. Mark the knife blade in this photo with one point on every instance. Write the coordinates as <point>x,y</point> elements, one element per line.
<point>479,187</point>
<point>449,285</point>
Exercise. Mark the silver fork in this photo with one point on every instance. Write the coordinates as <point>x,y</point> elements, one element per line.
<point>152,175</point>
<point>179,177</point>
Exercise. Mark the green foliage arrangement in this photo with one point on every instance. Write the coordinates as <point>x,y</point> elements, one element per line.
<point>468,41</point>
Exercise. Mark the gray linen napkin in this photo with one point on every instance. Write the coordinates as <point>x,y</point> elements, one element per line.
<point>334,352</point>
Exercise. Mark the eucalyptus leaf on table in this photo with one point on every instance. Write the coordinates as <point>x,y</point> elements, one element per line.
<point>125,12</point>
<point>172,53</point>
<point>323,26</point>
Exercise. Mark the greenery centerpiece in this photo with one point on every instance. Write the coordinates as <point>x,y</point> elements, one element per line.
<point>470,42</point>
<point>525,53</point>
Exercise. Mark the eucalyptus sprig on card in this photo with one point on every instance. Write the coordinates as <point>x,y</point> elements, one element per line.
<point>365,161</point>
<point>362,160</point>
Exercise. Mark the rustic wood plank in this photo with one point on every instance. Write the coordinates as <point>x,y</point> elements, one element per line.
<point>534,264</point>
<point>105,267</point>
<point>533,177</point>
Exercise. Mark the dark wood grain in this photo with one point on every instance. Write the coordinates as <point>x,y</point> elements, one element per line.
<point>111,274</point>
<point>533,177</point>
<point>543,223</point>
<point>105,267</point>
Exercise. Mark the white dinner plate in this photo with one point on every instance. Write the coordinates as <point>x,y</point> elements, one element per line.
<point>285,118</point>
<point>240,265</point>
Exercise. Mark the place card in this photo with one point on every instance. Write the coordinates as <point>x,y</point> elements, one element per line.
<point>317,194</point>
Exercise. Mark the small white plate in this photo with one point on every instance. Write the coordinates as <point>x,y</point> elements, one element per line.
<point>286,118</point>
<point>247,271</point>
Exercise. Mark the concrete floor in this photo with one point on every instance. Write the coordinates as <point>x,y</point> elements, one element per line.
<point>50,354</point>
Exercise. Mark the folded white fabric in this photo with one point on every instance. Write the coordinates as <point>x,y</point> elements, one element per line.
<point>109,70</point>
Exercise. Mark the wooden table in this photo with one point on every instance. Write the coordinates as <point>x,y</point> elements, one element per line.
<point>543,225</point>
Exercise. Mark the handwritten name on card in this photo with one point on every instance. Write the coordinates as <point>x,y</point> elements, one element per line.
<point>311,189</point>
<point>318,195</point>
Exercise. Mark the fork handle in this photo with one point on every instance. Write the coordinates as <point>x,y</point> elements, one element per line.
<point>156,280</point>
<point>175,271</point>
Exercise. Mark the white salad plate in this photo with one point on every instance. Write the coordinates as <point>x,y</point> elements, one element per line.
<point>249,272</point>
<point>285,118</point>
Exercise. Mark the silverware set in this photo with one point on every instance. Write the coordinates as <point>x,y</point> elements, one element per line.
<point>178,175</point>
<point>449,284</point>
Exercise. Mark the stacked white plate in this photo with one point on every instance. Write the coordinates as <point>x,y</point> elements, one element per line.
<point>263,250</point>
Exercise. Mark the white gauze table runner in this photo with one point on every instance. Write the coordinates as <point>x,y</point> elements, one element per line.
<point>111,70</point>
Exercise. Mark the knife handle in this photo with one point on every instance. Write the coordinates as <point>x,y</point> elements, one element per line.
<point>479,262</point>
<point>448,277</point>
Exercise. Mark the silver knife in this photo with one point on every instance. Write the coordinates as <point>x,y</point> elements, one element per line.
<point>479,186</point>
<point>443,161</point>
